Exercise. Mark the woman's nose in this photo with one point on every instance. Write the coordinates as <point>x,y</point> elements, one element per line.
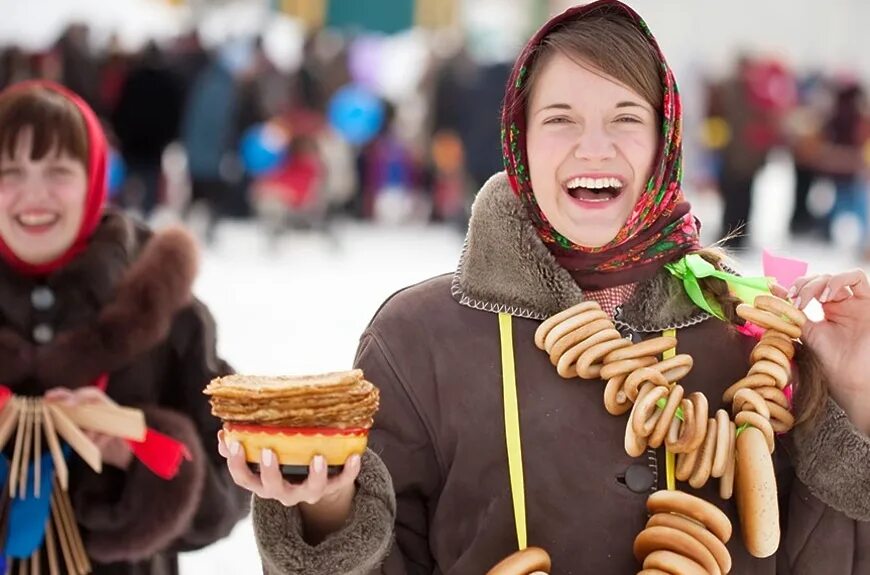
<point>594,144</point>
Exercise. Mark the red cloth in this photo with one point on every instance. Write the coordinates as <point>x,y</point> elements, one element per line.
<point>96,194</point>
<point>294,183</point>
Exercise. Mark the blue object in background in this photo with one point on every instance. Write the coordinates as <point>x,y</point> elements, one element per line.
<point>356,114</point>
<point>117,175</point>
<point>261,151</point>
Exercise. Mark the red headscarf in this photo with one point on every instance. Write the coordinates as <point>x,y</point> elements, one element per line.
<point>661,227</point>
<point>95,197</point>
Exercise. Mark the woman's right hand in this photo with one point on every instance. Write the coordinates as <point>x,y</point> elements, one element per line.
<point>325,502</point>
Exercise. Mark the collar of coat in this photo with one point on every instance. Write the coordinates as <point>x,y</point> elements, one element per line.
<point>505,267</point>
<point>137,281</point>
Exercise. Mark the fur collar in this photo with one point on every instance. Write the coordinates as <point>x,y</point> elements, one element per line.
<point>505,267</point>
<point>137,281</point>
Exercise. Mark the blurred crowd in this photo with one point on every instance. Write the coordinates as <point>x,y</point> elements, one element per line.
<point>819,119</point>
<point>226,132</point>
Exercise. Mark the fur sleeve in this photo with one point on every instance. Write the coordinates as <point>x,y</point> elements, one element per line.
<point>832,459</point>
<point>358,549</point>
<point>130,516</point>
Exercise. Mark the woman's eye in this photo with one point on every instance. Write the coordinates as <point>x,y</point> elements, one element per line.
<point>629,120</point>
<point>557,120</point>
<point>10,172</point>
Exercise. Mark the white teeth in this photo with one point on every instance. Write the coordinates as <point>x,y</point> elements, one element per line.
<point>593,183</point>
<point>37,219</point>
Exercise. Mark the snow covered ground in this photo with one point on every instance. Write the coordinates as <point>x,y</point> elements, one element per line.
<point>301,306</point>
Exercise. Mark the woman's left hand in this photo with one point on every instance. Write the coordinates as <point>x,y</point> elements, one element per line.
<point>113,450</point>
<point>841,340</point>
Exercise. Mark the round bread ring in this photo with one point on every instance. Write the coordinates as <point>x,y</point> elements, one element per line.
<point>749,399</point>
<point>780,341</point>
<point>615,400</point>
<point>675,368</point>
<point>755,488</point>
<point>635,446</point>
<point>572,338</point>
<point>774,394</point>
<point>652,572</point>
<point>757,421</point>
<point>777,372</point>
<point>726,483</point>
<point>752,381</point>
<point>671,562</point>
<point>625,366</point>
<point>646,414</point>
<point>669,414</point>
<point>571,324</point>
<point>781,419</point>
<point>686,465</point>
<point>648,347</point>
<point>771,353</point>
<point>704,512</point>
<point>685,429</point>
<point>723,444</point>
<point>700,533</point>
<point>529,560</point>
<point>659,537</point>
<point>768,320</point>
<point>567,360</point>
<point>589,364</point>
<point>704,463</point>
<point>641,376</point>
<point>781,307</point>
<point>554,320</point>
<point>702,410</point>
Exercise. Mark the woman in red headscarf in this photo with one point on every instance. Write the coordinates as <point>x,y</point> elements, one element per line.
<point>94,307</point>
<point>586,247</point>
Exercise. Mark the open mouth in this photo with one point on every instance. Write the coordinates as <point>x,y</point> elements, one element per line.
<point>37,221</point>
<point>594,189</point>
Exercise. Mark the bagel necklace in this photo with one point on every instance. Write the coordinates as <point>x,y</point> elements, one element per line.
<point>686,533</point>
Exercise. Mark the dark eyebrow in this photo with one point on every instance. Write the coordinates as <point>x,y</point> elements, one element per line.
<point>628,104</point>
<point>557,106</point>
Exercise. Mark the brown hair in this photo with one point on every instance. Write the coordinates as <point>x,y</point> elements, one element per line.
<point>610,41</point>
<point>811,395</point>
<point>58,126</point>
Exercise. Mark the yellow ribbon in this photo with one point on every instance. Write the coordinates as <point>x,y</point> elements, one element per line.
<point>670,458</point>
<point>512,426</point>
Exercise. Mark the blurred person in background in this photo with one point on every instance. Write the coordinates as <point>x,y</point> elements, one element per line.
<point>844,156</point>
<point>146,120</point>
<point>749,110</point>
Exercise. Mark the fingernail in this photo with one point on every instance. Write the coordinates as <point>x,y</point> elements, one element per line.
<point>354,461</point>
<point>797,303</point>
<point>235,447</point>
<point>319,463</point>
<point>791,291</point>
<point>825,295</point>
<point>266,457</point>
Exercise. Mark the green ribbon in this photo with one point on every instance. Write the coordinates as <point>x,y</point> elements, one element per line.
<point>679,414</point>
<point>693,267</point>
<point>741,429</point>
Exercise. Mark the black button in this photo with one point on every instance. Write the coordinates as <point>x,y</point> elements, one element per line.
<point>43,333</point>
<point>42,298</point>
<point>639,478</point>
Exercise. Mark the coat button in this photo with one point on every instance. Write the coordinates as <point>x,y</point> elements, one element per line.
<point>43,333</point>
<point>639,478</point>
<point>42,298</point>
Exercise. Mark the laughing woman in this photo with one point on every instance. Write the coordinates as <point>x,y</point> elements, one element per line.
<point>589,217</point>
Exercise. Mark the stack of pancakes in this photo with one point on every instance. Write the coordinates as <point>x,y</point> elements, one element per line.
<point>341,400</point>
<point>296,417</point>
